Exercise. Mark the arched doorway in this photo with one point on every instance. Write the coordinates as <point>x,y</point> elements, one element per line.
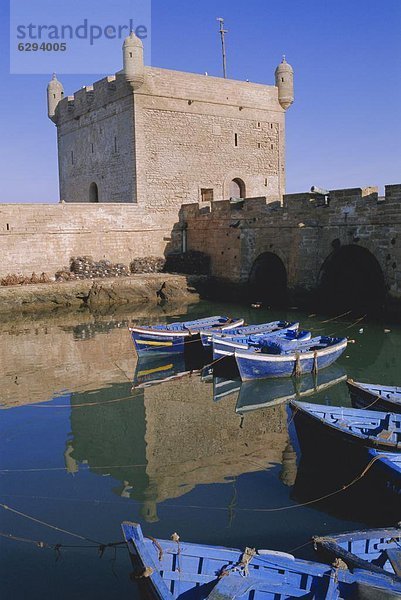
<point>351,279</point>
<point>93,192</point>
<point>237,188</point>
<point>268,280</point>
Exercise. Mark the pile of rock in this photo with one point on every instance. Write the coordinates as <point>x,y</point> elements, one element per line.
<point>84,267</point>
<point>64,274</point>
<point>17,279</point>
<point>148,264</point>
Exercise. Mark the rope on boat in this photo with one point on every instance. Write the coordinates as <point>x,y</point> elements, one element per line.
<point>176,538</point>
<point>158,546</point>
<point>297,371</point>
<point>314,368</point>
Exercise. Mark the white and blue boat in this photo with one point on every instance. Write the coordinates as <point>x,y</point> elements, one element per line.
<point>176,570</point>
<point>282,358</point>
<point>207,337</point>
<point>375,550</point>
<point>174,336</point>
<point>226,346</point>
<point>374,396</point>
<point>345,431</point>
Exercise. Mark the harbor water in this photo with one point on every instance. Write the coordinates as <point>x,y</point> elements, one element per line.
<point>90,437</point>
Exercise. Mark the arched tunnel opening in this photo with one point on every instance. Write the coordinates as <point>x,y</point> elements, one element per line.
<point>351,279</point>
<point>268,280</point>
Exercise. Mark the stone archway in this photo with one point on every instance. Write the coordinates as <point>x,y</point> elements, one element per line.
<point>93,192</point>
<point>268,280</point>
<point>237,188</point>
<point>351,279</point>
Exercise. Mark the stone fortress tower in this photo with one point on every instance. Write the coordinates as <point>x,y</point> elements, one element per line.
<point>163,138</point>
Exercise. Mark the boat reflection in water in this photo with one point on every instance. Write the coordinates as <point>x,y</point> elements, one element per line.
<point>261,393</point>
<point>154,369</point>
<point>370,499</point>
<point>264,393</point>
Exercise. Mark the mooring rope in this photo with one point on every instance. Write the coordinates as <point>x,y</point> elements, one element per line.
<point>349,326</point>
<point>40,522</point>
<point>222,508</point>
<point>336,317</point>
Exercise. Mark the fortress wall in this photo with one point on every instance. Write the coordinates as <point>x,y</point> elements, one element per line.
<point>38,237</point>
<point>97,145</point>
<point>301,232</point>
<point>175,135</point>
<point>185,137</point>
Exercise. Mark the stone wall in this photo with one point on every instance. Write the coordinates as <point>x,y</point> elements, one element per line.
<point>38,237</point>
<point>97,147</point>
<point>195,131</point>
<point>302,233</point>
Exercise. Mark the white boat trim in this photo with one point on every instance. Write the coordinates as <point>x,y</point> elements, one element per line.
<point>233,325</point>
<point>259,357</point>
<point>223,352</point>
<point>165,333</point>
<point>230,344</point>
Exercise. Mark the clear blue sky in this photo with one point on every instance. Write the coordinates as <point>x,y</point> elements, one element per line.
<point>343,130</point>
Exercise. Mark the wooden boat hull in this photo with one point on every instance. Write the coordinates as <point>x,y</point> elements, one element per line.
<point>163,342</point>
<point>386,473</point>
<point>367,550</point>
<point>175,337</point>
<point>252,365</point>
<point>171,569</point>
<point>226,346</point>
<point>207,337</point>
<point>318,438</point>
<point>376,398</point>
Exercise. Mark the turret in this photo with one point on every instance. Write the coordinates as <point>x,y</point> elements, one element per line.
<point>133,69</point>
<point>285,83</point>
<point>55,93</point>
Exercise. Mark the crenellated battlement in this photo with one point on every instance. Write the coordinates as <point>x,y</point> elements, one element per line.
<point>351,201</point>
<point>303,232</point>
<point>92,97</point>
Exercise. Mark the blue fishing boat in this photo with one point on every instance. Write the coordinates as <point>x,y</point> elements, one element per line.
<point>282,358</point>
<point>263,393</point>
<point>375,550</point>
<point>207,337</point>
<point>374,396</point>
<point>174,337</point>
<point>226,346</point>
<point>172,570</point>
<point>342,430</point>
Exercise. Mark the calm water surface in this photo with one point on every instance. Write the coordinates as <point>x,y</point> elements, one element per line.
<point>82,450</point>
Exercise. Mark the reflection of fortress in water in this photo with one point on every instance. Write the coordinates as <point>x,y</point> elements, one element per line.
<point>169,438</point>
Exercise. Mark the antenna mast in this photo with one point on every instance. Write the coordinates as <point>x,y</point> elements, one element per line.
<point>223,45</point>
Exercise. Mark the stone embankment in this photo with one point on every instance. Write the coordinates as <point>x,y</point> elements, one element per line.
<point>99,294</point>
